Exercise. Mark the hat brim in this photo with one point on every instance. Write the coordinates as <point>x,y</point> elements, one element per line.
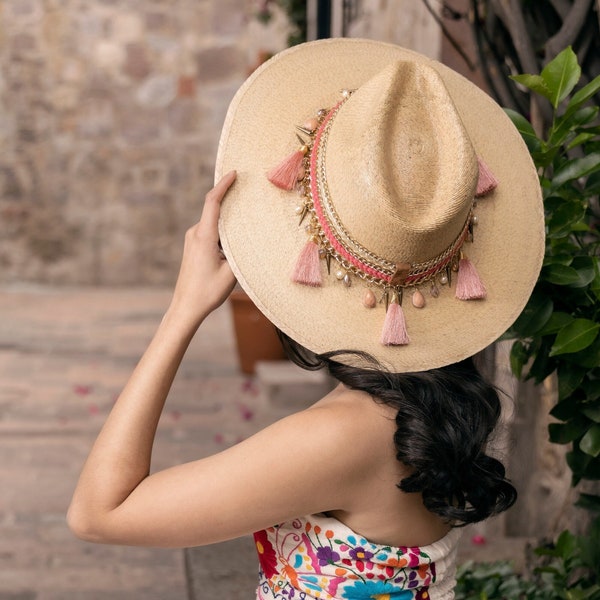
<point>261,238</point>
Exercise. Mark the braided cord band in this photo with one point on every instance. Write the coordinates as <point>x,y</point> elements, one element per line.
<point>339,244</point>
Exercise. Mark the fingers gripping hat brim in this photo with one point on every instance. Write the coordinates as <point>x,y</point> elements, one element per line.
<point>261,238</point>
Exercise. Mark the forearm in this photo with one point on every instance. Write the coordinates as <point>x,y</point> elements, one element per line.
<point>120,458</point>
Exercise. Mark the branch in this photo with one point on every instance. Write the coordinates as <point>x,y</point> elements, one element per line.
<point>570,29</point>
<point>472,66</point>
<point>492,63</point>
<point>511,14</point>
<point>513,18</point>
<point>562,7</point>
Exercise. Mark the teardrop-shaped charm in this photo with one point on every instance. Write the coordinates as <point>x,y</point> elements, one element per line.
<point>418,300</point>
<point>347,281</point>
<point>434,291</point>
<point>369,300</point>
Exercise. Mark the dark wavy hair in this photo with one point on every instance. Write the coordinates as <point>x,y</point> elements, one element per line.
<point>444,420</point>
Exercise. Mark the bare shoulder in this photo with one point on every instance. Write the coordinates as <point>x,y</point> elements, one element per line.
<point>355,421</point>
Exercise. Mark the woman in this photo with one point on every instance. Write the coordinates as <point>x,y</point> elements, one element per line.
<point>395,278</point>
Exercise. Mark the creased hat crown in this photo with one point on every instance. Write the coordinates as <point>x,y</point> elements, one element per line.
<point>400,167</point>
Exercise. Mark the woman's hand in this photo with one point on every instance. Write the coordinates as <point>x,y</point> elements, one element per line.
<point>205,279</point>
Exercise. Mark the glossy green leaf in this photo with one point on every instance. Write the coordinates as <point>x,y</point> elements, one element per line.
<point>565,411</point>
<point>560,274</point>
<point>588,357</point>
<point>564,217</point>
<point>576,168</point>
<point>542,364</point>
<point>558,257</point>
<point>579,139</point>
<point>564,433</point>
<point>595,286</point>
<point>575,337</point>
<point>583,95</point>
<point>525,129</point>
<point>590,442</point>
<point>591,388</point>
<point>534,316</point>
<point>569,379</point>
<point>535,83</point>
<point>592,185</point>
<point>555,323</point>
<point>518,357</point>
<point>578,463</point>
<point>561,75</point>
<point>592,413</point>
<point>586,267</point>
<point>566,125</point>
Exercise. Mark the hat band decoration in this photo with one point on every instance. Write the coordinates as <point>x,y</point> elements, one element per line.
<point>329,240</point>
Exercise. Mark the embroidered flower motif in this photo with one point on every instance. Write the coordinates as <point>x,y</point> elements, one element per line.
<point>305,560</point>
<point>361,554</point>
<point>376,590</point>
<point>266,554</point>
<point>327,556</point>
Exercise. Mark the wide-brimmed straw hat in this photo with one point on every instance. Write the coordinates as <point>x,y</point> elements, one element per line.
<point>383,203</point>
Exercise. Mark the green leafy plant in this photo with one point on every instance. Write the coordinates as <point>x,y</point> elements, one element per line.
<point>558,332</point>
<point>568,569</point>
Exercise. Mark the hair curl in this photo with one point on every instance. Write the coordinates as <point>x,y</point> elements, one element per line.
<point>444,419</point>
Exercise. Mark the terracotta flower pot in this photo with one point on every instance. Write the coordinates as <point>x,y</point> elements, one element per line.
<point>254,333</point>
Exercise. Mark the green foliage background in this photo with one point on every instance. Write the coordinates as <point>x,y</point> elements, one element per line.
<point>558,332</point>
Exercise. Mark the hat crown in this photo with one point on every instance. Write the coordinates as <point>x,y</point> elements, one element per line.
<point>400,167</point>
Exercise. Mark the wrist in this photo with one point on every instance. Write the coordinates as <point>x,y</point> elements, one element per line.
<point>182,319</point>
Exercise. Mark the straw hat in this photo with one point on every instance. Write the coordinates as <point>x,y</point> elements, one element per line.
<point>422,228</point>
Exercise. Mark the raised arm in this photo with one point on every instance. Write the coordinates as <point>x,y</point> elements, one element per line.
<point>120,458</point>
<point>309,462</point>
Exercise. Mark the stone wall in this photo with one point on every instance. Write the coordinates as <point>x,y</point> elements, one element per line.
<point>110,113</point>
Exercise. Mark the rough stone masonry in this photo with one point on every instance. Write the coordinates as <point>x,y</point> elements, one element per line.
<point>110,114</point>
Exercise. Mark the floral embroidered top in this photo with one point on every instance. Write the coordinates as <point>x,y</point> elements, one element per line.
<point>319,557</point>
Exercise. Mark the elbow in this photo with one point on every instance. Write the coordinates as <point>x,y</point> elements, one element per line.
<point>84,525</point>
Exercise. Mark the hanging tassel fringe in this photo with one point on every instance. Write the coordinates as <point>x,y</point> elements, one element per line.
<point>285,174</point>
<point>308,270</point>
<point>486,182</point>
<point>468,285</point>
<point>394,327</point>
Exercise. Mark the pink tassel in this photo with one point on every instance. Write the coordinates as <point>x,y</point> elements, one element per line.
<point>468,285</point>
<point>308,270</point>
<point>486,182</point>
<point>394,328</point>
<point>285,174</point>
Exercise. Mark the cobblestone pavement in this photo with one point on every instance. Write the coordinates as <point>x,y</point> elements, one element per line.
<point>64,356</point>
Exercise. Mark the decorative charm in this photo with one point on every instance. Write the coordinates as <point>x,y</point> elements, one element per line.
<point>400,274</point>
<point>287,173</point>
<point>469,285</point>
<point>418,300</point>
<point>486,182</point>
<point>394,327</point>
<point>369,300</point>
<point>328,239</point>
<point>307,270</point>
